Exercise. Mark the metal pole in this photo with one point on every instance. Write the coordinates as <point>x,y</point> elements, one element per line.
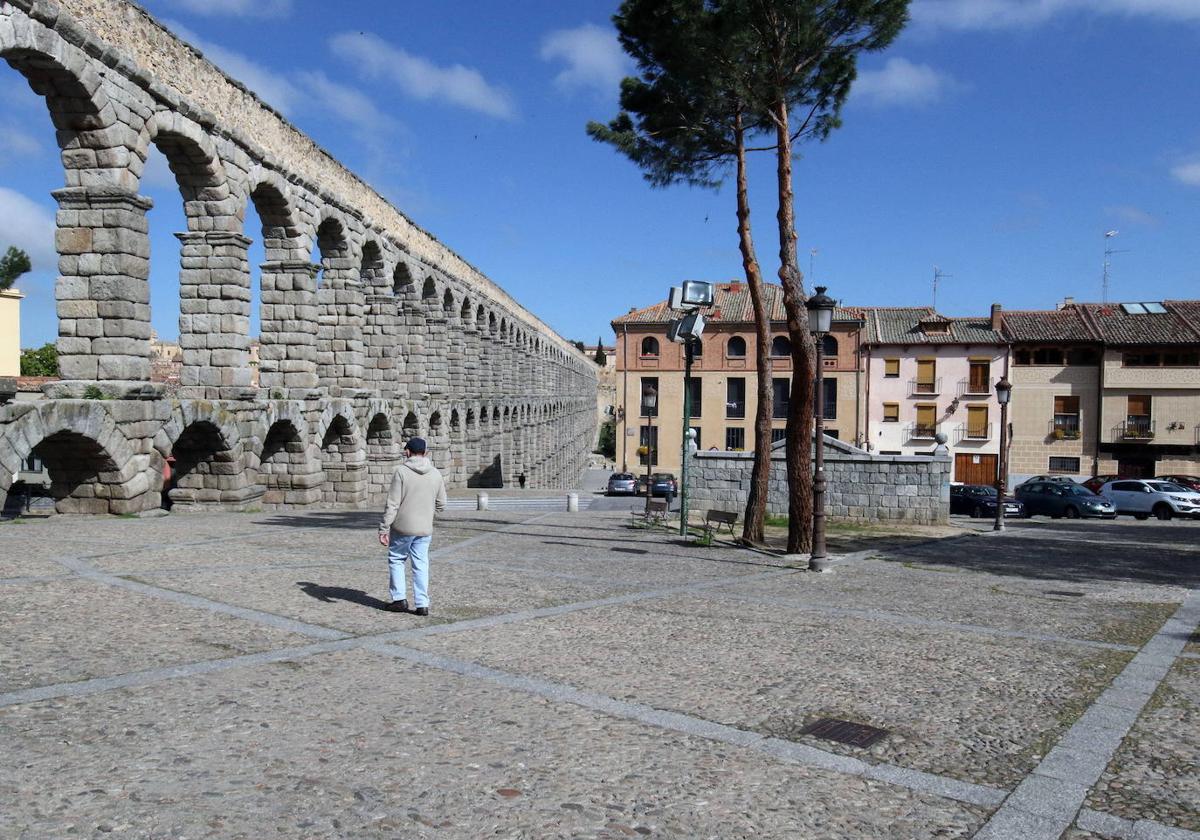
<point>816,559</point>
<point>649,452</point>
<point>1001,469</point>
<point>687,422</point>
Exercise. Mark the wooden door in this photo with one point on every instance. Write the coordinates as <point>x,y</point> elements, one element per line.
<point>975,469</point>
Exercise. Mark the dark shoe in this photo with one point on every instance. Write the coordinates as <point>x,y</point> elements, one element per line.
<point>398,606</point>
<point>421,611</point>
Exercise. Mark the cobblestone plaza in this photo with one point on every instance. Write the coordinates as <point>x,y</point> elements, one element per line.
<point>234,675</point>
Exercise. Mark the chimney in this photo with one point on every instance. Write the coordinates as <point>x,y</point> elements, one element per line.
<point>997,317</point>
<point>1067,301</point>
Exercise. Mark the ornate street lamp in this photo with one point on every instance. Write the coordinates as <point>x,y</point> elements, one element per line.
<point>649,409</point>
<point>820,319</point>
<point>1003,395</point>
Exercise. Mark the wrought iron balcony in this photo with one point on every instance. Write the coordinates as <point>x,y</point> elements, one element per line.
<point>1064,427</point>
<point>966,431</point>
<point>735,410</point>
<point>917,388</point>
<point>1136,429</point>
<point>967,388</point>
<point>920,431</point>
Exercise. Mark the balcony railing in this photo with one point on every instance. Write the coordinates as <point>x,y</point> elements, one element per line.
<point>967,388</point>
<point>1064,427</point>
<point>735,410</point>
<point>924,389</point>
<point>920,431</point>
<point>1136,429</point>
<point>966,432</point>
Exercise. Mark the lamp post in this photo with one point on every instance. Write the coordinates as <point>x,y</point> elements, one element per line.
<point>1003,394</point>
<point>687,422</point>
<point>649,407</point>
<point>820,318</point>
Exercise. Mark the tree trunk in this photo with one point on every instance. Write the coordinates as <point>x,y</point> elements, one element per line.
<point>760,474</point>
<point>800,410</point>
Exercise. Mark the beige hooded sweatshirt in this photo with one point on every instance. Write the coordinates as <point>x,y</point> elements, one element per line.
<point>417,491</point>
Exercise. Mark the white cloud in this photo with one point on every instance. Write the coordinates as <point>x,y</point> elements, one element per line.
<point>420,78</point>
<point>271,87</point>
<point>15,143</point>
<point>1130,214</point>
<point>30,227</point>
<point>901,82</point>
<point>1187,173</point>
<point>236,8</point>
<point>593,56</point>
<point>346,103</point>
<point>1009,14</point>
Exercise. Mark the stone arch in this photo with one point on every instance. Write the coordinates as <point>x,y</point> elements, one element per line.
<point>371,267</point>
<point>343,457</point>
<point>272,198</point>
<point>382,453</point>
<point>403,285</point>
<point>194,162</point>
<point>330,247</point>
<point>92,467</point>
<point>448,303</point>
<point>429,296</point>
<point>411,427</point>
<point>202,450</point>
<point>287,469</point>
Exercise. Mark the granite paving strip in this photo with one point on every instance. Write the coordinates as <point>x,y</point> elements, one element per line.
<point>954,789</point>
<point>1045,804</point>
<point>1119,828</point>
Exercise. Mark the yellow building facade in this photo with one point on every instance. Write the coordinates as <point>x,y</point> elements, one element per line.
<point>10,332</point>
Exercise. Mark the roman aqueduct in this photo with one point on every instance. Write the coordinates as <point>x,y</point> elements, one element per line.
<point>371,330</point>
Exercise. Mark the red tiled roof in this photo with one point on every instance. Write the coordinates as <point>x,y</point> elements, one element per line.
<point>1061,325</point>
<point>903,325</point>
<point>731,305</point>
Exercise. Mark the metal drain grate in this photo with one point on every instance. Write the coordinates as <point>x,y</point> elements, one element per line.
<point>845,732</point>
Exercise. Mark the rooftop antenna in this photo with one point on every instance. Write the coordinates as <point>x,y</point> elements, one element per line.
<point>938,275</point>
<point>1108,252</point>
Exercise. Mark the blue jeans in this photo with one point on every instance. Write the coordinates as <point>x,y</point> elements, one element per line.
<point>401,548</point>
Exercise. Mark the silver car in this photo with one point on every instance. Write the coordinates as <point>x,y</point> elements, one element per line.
<point>622,484</point>
<point>1143,497</point>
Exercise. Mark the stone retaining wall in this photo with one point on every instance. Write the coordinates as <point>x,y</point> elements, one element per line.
<point>862,487</point>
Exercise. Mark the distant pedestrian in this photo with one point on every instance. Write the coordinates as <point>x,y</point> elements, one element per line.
<point>417,491</point>
<point>521,479</point>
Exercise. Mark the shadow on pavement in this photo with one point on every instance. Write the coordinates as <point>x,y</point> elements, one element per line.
<point>329,594</point>
<point>1102,552</point>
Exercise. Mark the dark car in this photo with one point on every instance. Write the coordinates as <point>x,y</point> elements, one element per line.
<point>1094,484</point>
<point>663,484</point>
<point>1188,482</point>
<point>979,501</point>
<point>622,484</point>
<point>1056,499</point>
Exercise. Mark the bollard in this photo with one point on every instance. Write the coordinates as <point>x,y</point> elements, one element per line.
<point>572,503</point>
<point>481,501</point>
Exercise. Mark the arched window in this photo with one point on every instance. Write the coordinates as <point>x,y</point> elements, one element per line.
<point>781,347</point>
<point>736,349</point>
<point>829,346</point>
<point>649,346</point>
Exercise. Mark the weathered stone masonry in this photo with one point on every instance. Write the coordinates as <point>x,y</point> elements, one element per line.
<point>372,330</point>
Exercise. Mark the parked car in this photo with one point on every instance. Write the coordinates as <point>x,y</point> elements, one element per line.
<point>1096,482</point>
<point>622,484</point>
<point>1188,482</point>
<point>1061,479</point>
<point>663,484</point>
<point>1057,499</point>
<point>1143,497</point>
<point>979,501</point>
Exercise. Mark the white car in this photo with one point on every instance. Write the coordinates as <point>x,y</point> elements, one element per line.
<point>1143,497</point>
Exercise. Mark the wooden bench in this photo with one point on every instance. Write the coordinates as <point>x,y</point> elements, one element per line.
<point>654,514</point>
<point>715,519</point>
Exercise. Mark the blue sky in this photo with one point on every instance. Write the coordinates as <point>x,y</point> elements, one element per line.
<point>997,139</point>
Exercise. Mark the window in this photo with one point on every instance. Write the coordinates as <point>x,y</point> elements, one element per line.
<point>781,347</point>
<point>979,379</point>
<point>1082,356</point>
<point>33,464</point>
<point>1064,465</point>
<point>649,437</point>
<point>829,346</point>
<point>735,397</point>
<point>1137,421</point>
<point>778,435</point>
<point>1066,417</point>
<point>926,420</point>
<point>1023,357</point>
<point>1048,356</point>
<point>697,394</point>
<point>891,412</point>
<point>1164,358</point>
<point>926,376</point>
<point>891,368</point>
<point>648,383</point>
<point>735,439</point>
<point>782,396</point>
<point>736,348</point>
<point>833,433</point>
<point>697,348</point>
<point>1128,486</point>
<point>649,346</point>
<point>977,422</point>
<point>889,451</point>
<point>829,399</point>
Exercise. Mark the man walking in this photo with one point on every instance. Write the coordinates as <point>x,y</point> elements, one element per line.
<point>417,491</point>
